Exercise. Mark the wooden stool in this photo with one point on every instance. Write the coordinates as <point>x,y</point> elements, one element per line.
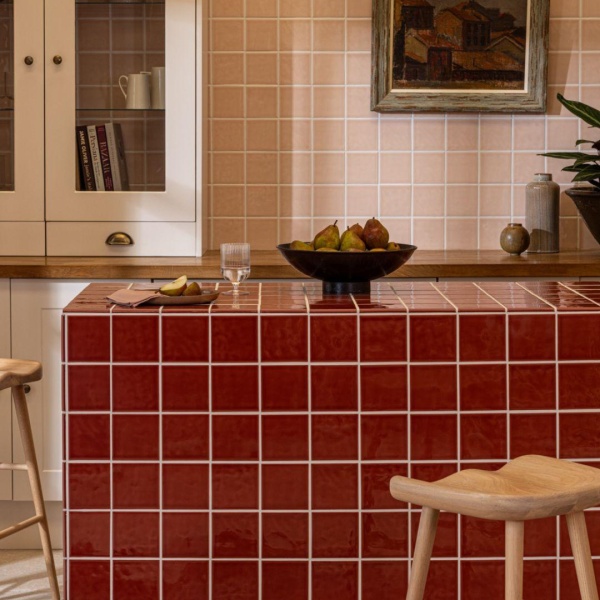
<point>13,374</point>
<point>529,487</point>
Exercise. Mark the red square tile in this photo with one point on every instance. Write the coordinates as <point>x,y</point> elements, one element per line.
<point>285,437</point>
<point>135,534</point>
<point>482,538</point>
<point>446,537</point>
<point>433,437</point>
<point>135,486</point>
<point>235,486</point>
<point>579,435</point>
<point>540,537</point>
<point>569,588</point>
<point>335,535</point>
<point>89,534</point>
<point>89,579</point>
<point>334,580</point>
<point>433,387</point>
<point>333,338</point>
<point>383,437</point>
<point>383,388</point>
<point>483,437</point>
<point>185,535</point>
<point>382,338</point>
<point>285,580</point>
<point>284,339</point>
<point>578,385</point>
<point>532,434</point>
<point>432,338</point>
<point>579,337</point>
<point>334,388</point>
<point>89,486</point>
<point>185,339</point>
<point>235,388</point>
<point>384,534</point>
<point>334,486</point>
<point>89,437</point>
<point>185,389</point>
<point>531,337</point>
<point>383,580</point>
<point>235,535</point>
<point>135,437</point>
<point>432,471</point>
<point>482,579</point>
<point>135,338</point>
<point>135,387</point>
<point>185,486</point>
<point>136,579</point>
<point>185,437</point>
<point>482,337</point>
<point>88,339</point>
<point>442,580</point>
<point>234,338</point>
<point>539,579</point>
<point>235,579</point>
<point>292,379</point>
<point>284,487</point>
<point>235,437</point>
<point>483,387</point>
<point>334,437</point>
<point>284,535</point>
<point>88,387</point>
<point>185,580</point>
<point>532,387</point>
<point>376,485</point>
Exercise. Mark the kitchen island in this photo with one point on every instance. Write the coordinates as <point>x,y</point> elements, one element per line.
<point>243,451</point>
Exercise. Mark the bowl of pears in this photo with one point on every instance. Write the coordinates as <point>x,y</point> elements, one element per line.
<point>346,263</point>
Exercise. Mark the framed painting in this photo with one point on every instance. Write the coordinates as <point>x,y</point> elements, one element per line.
<point>459,55</point>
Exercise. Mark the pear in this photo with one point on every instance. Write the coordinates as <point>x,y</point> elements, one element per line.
<point>375,234</point>
<point>393,246</point>
<point>351,241</point>
<point>175,288</point>
<point>328,238</point>
<point>192,290</point>
<point>377,249</point>
<point>298,245</point>
<point>358,229</point>
<point>325,249</point>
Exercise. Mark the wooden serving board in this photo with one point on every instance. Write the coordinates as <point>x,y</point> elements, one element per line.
<point>203,298</point>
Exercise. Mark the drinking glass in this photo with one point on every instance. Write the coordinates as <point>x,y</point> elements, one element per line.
<point>235,265</point>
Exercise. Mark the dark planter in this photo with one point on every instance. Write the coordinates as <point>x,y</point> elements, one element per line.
<point>587,201</point>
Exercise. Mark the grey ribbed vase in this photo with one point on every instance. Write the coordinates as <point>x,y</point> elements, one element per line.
<point>542,207</point>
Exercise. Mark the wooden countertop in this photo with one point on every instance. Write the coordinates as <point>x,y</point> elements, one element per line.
<point>271,265</point>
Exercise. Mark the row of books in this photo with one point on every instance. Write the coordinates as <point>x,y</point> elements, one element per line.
<point>102,165</point>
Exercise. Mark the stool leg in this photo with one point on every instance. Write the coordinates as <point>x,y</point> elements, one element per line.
<point>513,567</point>
<point>422,556</point>
<point>580,544</point>
<point>36,487</point>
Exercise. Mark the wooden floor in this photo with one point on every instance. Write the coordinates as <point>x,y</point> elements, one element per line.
<point>23,575</point>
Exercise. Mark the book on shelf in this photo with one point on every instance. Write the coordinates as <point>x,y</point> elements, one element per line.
<point>101,153</point>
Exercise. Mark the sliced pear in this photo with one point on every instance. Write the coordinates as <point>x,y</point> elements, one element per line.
<point>175,288</point>
<point>192,290</point>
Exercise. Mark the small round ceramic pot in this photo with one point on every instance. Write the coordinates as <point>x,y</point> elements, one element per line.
<point>514,239</point>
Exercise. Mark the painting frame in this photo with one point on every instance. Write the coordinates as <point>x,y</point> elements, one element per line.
<point>386,99</point>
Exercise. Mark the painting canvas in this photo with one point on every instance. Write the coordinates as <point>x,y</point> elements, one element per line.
<point>460,55</point>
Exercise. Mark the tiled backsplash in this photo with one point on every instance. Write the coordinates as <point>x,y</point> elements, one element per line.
<point>293,143</point>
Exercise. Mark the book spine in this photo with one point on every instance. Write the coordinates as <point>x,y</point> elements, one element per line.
<point>95,156</point>
<point>121,157</point>
<point>113,155</point>
<point>104,158</point>
<point>85,160</point>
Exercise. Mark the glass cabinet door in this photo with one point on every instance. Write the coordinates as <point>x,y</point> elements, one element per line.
<point>120,88</point>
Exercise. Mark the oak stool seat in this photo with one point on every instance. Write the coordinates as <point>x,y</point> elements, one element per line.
<point>14,374</point>
<point>529,487</point>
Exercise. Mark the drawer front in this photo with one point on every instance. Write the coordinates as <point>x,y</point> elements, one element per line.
<point>22,238</point>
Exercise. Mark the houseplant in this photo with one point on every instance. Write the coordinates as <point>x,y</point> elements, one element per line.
<point>586,167</point>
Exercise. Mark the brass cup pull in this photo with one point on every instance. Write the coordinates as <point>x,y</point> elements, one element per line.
<point>57,60</point>
<point>28,60</point>
<point>119,238</point>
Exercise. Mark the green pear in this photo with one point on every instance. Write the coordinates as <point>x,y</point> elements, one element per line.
<point>377,249</point>
<point>326,249</point>
<point>393,246</point>
<point>358,229</point>
<point>351,241</point>
<point>375,234</point>
<point>298,245</point>
<point>328,238</point>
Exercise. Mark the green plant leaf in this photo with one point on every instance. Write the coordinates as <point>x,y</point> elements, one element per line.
<point>586,113</point>
<point>567,155</point>
<point>573,168</point>
<point>591,158</point>
<point>589,173</point>
<point>584,142</point>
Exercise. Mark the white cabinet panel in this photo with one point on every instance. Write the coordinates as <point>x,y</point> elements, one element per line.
<point>5,401</point>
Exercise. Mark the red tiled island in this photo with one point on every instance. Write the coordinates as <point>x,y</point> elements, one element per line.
<point>244,453</point>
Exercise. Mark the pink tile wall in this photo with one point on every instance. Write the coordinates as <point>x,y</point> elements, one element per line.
<point>293,143</point>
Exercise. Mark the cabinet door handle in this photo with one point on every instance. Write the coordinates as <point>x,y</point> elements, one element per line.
<point>119,239</point>
<point>27,388</point>
<point>57,59</point>
<point>28,60</point>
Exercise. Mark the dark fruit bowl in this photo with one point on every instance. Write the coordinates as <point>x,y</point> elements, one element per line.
<point>346,272</point>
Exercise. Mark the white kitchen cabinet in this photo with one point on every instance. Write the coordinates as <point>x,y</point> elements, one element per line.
<point>5,400</point>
